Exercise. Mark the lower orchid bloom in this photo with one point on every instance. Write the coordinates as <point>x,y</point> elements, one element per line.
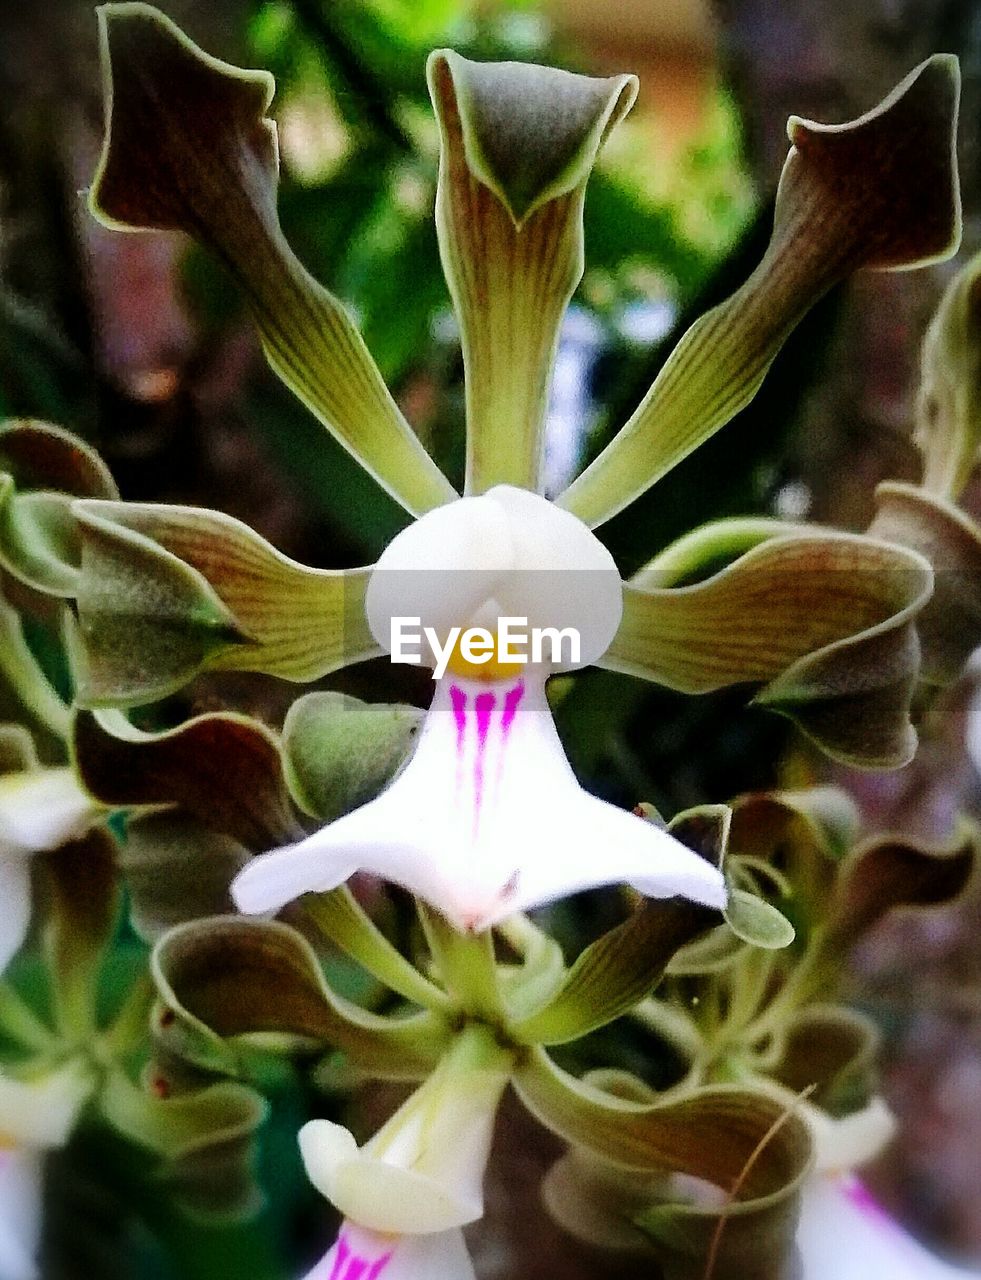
<point>487,818</point>
<point>843,1231</point>
<point>36,1116</point>
<point>40,809</point>
<point>408,1192</point>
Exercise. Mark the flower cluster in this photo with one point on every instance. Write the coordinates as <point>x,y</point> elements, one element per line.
<point>738,914</point>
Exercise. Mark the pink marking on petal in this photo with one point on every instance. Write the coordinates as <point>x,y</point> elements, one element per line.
<point>484,705</point>
<point>343,1253</point>
<point>379,1267</point>
<point>458,700</point>
<point>511,702</point>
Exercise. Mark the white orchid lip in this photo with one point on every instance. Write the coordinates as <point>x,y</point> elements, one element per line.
<point>505,554</point>
<point>487,819</point>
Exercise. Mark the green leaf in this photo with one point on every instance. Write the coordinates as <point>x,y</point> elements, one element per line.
<point>950,625</point>
<point>166,591</point>
<point>42,468</point>
<point>756,921</point>
<point>223,768</point>
<point>230,976</point>
<point>880,192</point>
<point>824,620</point>
<point>518,143</point>
<point>160,168</point>
<point>340,752</point>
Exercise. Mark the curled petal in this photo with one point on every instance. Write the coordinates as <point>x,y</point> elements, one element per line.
<point>487,819</point>
<point>880,192</point>
<point>161,169</point>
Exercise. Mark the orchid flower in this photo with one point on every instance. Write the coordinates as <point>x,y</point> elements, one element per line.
<point>843,1231</point>
<point>487,818</point>
<point>36,1116</point>
<point>407,1193</point>
<point>40,809</point>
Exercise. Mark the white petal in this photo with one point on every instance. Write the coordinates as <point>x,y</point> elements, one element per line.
<point>485,820</point>
<point>42,809</point>
<point>41,1114</point>
<point>20,1214</point>
<point>853,1140</point>
<point>508,553</point>
<point>363,1255</point>
<point>15,906</point>
<point>843,1234</point>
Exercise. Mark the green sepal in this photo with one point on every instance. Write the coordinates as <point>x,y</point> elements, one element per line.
<point>829,1052</point>
<point>518,143</point>
<point>879,192</point>
<point>84,907</point>
<point>228,977</point>
<point>161,169</point>
<point>825,621</point>
<point>709,1133</point>
<point>950,625</point>
<point>223,769</point>
<point>166,591</point>
<point>205,1141</point>
<point>622,967</point>
<point>948,407</point>
<point>340,752</point>
<point>42,469</point>
<point>344,921</point>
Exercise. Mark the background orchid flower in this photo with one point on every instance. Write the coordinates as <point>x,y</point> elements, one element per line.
<point>36,1116</point>
<point>163,591</point>
<point>408,1192</point>
<point>40,810</point>
<point>843,1230</point>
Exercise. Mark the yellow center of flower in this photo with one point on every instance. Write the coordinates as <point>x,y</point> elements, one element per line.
<point>476,662</point>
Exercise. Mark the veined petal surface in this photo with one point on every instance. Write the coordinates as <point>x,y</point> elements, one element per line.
<point>487,819</point>
<point>161,169</point>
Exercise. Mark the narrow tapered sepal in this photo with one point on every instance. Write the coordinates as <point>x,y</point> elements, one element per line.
<point>84,907</point>
<point>228,977</point>
<point>166,591</point>
<point>879,192</point>
<point>710,1133</point>
<point>223,768</point>
<point>948,406</point>
<point>161,168</point>
<point>888,872</point>
<point>42,468</point>
<point>824,620</point>
<point>518,143</point>
<point>622,967</point>
<point>950,625</point>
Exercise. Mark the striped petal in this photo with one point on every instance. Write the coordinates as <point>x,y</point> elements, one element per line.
<point>160,168</point>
